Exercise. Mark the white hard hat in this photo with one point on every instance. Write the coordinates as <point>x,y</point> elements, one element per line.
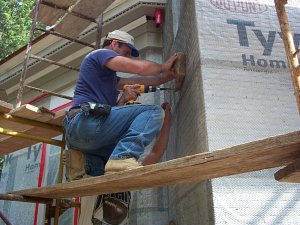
<point>124,37</point>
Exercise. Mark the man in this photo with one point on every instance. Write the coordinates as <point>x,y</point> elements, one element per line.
<point>122,133</point>
<point>101,125</point>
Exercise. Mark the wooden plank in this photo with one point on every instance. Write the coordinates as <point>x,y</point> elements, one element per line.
<point>72,25</point>
<point>262,154</point>
<point>92,8</point>
<point>25,111</point>
<point>5,107</point>
<point>49,15</point>
<point>10,144</point>
<point>31,112</point>
<point>290,173</point>
<point>61,3</point>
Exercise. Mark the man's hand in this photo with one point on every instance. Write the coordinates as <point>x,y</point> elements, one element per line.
<point>166,107</point>
<point>130,93</point>
<point>166,67</point>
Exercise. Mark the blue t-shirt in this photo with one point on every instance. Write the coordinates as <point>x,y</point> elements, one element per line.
<point>97,83</point>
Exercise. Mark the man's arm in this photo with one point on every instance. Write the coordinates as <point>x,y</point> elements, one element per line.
<point>141,67</point>
<point>154,81</point>
<point>161,143</point>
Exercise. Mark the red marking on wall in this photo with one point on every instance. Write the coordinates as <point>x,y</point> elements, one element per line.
<point>239,6</point>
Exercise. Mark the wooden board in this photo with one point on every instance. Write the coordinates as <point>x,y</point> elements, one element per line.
<point>290,173</point>
<point>25,111</point>
<point>72,26</point>
<point>49,15</point>
<point>10,144</point>
<point>257,155</point>
<point>31,112</point>
<point>5,107</point>
<point>92,8</point>
<point>61,3</point>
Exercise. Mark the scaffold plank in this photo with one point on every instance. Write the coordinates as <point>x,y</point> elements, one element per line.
<point>72,25</point>
<point>48,14</point>
<point>262,154</point>
<point>290,173</point>
<point>10,144</point>
<point>61,3</point>
<point>92,8</point>
<point>5,107</point>
<point>31,112</point>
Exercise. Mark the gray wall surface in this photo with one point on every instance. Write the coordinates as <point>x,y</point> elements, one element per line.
<point>188,204</point>
<point>238,89</point>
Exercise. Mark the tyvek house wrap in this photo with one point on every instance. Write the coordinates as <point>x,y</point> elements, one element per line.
<point>248,96</point>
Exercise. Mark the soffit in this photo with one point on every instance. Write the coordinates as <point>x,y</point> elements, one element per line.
<point>118,16</point>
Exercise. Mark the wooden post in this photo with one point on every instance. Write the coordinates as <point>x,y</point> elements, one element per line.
<point>289,45</point>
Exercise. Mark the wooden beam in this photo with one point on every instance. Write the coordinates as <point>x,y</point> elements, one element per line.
<point>71,25</point>
<point>20,198</point>
<point>291,52</point>
<point>30,120</point>
<point>5,107</point>
<point>262,154</point>
<point>290,173</point>
<point>30,137</point>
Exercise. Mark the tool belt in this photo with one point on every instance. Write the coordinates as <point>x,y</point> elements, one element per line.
<point>91,108</point>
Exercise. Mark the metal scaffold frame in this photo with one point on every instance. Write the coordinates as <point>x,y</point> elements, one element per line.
<point>234,160</point>
<point>59,207</point>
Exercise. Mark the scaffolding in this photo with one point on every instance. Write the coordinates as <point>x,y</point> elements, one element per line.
<point>25,125</point>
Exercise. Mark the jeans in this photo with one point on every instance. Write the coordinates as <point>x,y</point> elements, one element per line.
<point>123,134</point>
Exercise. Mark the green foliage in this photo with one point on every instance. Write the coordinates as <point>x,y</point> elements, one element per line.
<point>14,25</point>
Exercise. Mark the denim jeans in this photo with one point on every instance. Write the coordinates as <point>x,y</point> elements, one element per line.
<point>123,134</point>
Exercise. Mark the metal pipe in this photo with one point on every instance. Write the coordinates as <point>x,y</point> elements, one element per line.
<point>35,123</point>
<point>65,37</point>
<point>5,220</point>
<point>30,137</point>
<point>289,45</point>
<point>48,92</point>
<point>99,32</point>
<point>52,62</point>
<point>26,57</point>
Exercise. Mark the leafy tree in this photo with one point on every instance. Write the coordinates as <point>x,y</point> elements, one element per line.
<point>14,29</point>
<point>14,25</point>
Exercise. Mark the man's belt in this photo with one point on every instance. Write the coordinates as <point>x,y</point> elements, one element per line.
<point>90,108</point>
<point>73,112</point>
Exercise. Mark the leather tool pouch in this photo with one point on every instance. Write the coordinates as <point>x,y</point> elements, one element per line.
<point>96,109</point>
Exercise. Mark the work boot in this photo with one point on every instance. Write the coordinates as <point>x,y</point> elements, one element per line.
<point>75,164</point>
<point>118,165</point>
<point>116,205</point>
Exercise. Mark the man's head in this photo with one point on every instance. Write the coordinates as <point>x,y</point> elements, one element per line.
<point>119,40</point>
